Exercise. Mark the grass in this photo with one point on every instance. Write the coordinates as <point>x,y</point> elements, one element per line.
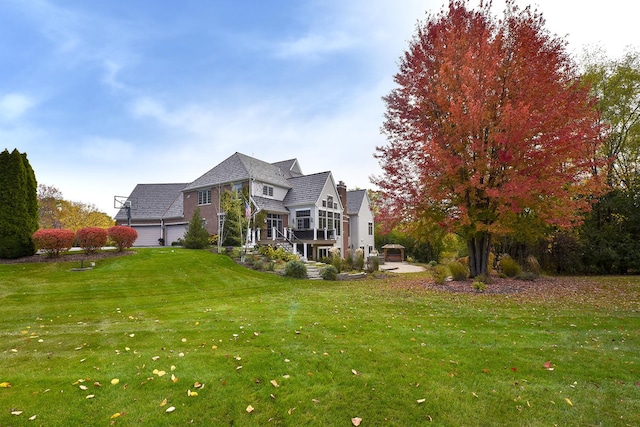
<point>305,352</point>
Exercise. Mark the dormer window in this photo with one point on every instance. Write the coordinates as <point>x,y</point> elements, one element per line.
<point>267,190</point>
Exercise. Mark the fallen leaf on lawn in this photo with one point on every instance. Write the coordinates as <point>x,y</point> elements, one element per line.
<point>566,399</point>
<point>290,411</point>
<point>198,385</point>
<point>421,400</point>
<point>173,367</point>
<point>33,418</point>
<point>249,409</point>
<point>97,384</point>
<point>354,372</point>
<point>16,413</point>
<point>5,385</point>
<point>474,394</point>
<point>115,381</point>
<point>91,396</point>
<point>155,372</point>
<point>238,368</point>
<point>192,393</point>
<point>274,383</point>
<point>154,358</point>
<point>83,387</point>
<point>547,366</point>
<point>171,409</point>
<point>116,415</point>
<point>214,347</point>
<point>174,378</point>
<point>163,403</point>
<point>356,421</point>
<point>315,400</point>
<point>161,373</point>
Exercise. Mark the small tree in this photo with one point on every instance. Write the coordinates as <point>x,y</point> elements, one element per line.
<point>122,236</point>
<point>53,240</point>
<point>90,239</point>
<point>196,236</point>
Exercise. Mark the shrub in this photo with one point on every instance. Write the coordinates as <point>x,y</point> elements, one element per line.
<point>122,236</point>
<point>358,263</point>
<point>90,239</point>
<point>509,266</point>
<point>329,273</point>
<point>526,275</point>
<point>295,269</point>
<point>532,265</point>
<point>54,240</point>
<point>440,274</point>
<point>479,285</point>
<point>373,264</point>
<point>458,271</point>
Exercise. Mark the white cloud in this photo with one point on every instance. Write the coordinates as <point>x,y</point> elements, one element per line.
<point>14,105</point>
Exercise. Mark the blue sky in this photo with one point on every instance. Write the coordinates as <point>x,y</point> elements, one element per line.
<point>105,95</point>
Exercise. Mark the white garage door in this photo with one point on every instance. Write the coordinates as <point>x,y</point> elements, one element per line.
<point>147,235</point>
<point>173,233</point>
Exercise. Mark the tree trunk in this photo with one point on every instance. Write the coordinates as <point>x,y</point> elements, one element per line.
<point>479,246</point>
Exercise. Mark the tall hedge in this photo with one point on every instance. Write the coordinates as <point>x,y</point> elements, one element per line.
<point>18,205</point>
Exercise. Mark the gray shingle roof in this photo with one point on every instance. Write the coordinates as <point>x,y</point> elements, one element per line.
<point>240,167</point>
<point>354,201</point>
<point>290,167</point>
<point>306,189</point>
<point>270,205</point>
<point>152,201</point>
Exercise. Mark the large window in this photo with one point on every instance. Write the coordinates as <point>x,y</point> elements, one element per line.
<point>330,220</point>
<point>303,219</point>
<point>322,220</point>
<point>338,223</point>
<point>204,197</point>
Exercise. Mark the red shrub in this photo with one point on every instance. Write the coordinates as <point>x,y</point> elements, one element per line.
<point>91,238</point>
<point>53,240</point>
<point>123,236</point>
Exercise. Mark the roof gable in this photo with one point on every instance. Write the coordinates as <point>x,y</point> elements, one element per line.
<point>306,189</point>
<point>355,198</point>
<point>290,168</point>
<point>237,168</point>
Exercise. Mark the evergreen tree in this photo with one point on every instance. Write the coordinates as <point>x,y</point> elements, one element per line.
<point>196,236</point>
<point>18,205</point>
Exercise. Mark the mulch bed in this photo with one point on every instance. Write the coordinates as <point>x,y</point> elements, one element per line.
<point>68,257</point>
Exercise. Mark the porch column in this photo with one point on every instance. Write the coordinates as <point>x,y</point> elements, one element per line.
<point>304,251</point>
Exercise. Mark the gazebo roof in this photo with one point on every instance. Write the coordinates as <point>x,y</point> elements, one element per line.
<point>392,246</point>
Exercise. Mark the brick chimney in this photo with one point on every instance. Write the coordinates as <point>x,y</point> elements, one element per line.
<point>342,192</point>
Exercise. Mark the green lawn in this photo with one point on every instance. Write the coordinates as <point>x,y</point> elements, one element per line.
<point>306,352</point>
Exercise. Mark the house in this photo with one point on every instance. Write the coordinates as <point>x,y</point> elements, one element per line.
<point>307,214</point>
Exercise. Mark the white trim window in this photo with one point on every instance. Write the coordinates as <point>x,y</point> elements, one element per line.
<point>370,226</point>
<point>204,197</point>
<point>267,190</point>
<point>303,219</point>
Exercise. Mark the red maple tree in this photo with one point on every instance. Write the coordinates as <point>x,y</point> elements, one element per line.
<point>489,124</point>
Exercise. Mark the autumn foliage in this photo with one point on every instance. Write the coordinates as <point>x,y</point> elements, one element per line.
<point>489,129</point>
<point>122,236</point>
<point>90,239</point>
<point>54,240</point>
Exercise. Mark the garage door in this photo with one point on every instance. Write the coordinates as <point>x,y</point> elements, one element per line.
<point>174,232</point>
<point>147,235</point>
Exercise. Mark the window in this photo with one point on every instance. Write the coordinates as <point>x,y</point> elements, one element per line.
<point>204,197</point>
<point>267,190</point>
<point>303,219</point>
<point>322,219</point>
<point>330,202</point>
<point>237,188</point>
<point>370,229</point>
<point>370,249</point>
<point>330,220</point>
<point>338,223</point>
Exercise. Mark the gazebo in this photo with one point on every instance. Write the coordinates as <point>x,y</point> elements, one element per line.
<point>393,252</point>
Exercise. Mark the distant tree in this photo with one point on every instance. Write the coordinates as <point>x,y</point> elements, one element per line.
<point>490,122</point>
<point>18,205</point>
<point>196,236</point>
<point>56,212</point>
<point>49,206</point>
<point>616,84</point>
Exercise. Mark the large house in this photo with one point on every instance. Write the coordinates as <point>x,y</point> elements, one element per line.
<point>308,214</point>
